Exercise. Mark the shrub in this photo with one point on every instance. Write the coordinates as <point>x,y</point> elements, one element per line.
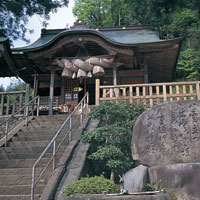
<point>92,185</point>
<point>110,143</point>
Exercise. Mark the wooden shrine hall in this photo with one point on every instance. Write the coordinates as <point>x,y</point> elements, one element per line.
<point>64,63</point>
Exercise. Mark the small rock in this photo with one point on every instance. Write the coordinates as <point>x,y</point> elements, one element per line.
<point>135,180</point>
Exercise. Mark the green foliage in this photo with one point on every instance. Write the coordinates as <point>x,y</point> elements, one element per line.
<point>93,185</point>
<point>189,65</point>
<point>14,14</point>
<point>17,85</point>
<point>172,18</point>
<point>110,143</point>
<point>2,88</point>
<point>155,187</point>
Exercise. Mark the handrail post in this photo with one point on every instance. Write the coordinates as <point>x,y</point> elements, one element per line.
<point>26,119</point>
<point>70,129</point>
<point>33,184</point>
<point>6,138</point>
<point>38,106</point>
<point>97,92</point>
<point>81,116</point>
<point>87,103</point>
<point>54,154</point>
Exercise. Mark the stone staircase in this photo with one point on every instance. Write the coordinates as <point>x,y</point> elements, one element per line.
<point>23,149</point>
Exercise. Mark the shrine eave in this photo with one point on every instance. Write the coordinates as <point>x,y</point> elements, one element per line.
<point>7,63</point>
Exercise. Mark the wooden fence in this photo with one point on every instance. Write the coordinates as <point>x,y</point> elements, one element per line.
<point>150,93</point>
<point>12,101</point>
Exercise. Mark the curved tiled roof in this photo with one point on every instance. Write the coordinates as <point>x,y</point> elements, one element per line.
<point>128,36</point>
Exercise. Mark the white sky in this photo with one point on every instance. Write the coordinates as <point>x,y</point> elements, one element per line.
<point>61,19</point>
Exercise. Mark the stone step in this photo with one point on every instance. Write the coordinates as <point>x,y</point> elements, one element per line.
<point>27,149</point>
<point>36,131</point>
<point>20,171</point>
<point>36,137</point>
<point>10,156</point>
<point>19,197</point>
<point>21,163</point>
<point>9,180</point>
<point>28,143</point>
<point>20,189</point>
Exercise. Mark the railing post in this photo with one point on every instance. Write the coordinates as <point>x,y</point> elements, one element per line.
<point>54,154</point>
<point>70,129</point>
<point>81,114</point>
<point>198,91</point>
<point>97,92</point>
<point>6,138</point>
<point>33,184</point>
<point>26,118</point>
<point>164,93</point>
<point>38,106</point>
<point>87,103</point>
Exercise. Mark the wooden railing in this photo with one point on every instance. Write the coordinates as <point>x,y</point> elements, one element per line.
<point>150,93</point>
<point>11,101</point>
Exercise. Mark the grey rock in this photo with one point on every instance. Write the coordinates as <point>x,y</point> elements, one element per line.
<point>168,134</point>
<point>136,179</point>
<point>123,197</point>
<point>181,180</point>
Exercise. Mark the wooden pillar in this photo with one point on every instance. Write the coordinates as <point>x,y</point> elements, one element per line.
<point>146,77</point>
<point>27,96</point>
<point>114,75</point>
<point>2,104</point>
<point>63,81</point>
<point>35,85</point>
<point>85,84</point>
<point>51,91</point>
<point>97,90</point>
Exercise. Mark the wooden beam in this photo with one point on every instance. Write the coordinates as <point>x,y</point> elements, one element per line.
<point>52,77</point>
<point>63,81</point>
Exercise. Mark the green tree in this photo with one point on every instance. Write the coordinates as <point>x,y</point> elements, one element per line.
<point>16,85</point>
<point>110,143</point>
<point>14,14</point>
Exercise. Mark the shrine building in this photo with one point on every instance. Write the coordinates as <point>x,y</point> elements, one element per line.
<point>63,64</point>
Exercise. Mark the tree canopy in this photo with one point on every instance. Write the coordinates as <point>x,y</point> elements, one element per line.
<point>14,14</point>
<point>172,18</point>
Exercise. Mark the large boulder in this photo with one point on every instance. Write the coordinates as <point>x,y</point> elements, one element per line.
<point>136,179</point>
<point>181,180</point>
<point>168,134</point>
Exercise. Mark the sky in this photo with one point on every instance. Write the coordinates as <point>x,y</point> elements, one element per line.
<point>62,19</point>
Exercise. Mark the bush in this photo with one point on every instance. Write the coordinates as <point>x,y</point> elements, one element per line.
<point>93,185</point>
<point>110,143</point>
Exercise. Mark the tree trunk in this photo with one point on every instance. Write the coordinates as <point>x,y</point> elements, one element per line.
<point>112,175</point>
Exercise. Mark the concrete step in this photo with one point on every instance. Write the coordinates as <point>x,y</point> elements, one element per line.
<point>20,171</point>
<point>36,137</point>
<point>11,180</point>
<point>19,197</point>
<point>29,143</point>
<point>27,149</point>
<point>21,163</point>
<point>10,156</point>
<point>20,189</point>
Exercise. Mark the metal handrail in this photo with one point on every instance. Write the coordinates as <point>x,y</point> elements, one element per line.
<point>84,102</point>
<point>25,108</point>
